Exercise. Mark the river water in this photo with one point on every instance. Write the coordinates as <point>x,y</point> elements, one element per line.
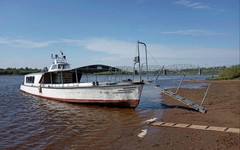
<point>28,122</point>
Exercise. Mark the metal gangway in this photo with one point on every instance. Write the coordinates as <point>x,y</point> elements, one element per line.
<point>165,91</point>
<point>180,98</point>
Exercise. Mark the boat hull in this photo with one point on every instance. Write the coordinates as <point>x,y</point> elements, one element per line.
<point>126,95</point>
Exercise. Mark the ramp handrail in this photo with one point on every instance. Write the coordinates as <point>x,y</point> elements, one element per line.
<point>179,98</point>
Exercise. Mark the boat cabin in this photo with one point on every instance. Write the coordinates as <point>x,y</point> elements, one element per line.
<point>59,64</point>
<point>33,79</point>
<point>65,76</point>
<point>61,73</point>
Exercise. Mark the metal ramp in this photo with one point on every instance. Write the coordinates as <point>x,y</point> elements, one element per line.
<point>179,98</point>
<point>185,101</point>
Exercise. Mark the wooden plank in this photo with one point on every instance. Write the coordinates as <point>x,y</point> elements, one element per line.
<point>157,123</point>
<point>168,124</point>
<point>214,128</point>
<point>199,127</point>
<point>181,125</point>
<point>233,130</point>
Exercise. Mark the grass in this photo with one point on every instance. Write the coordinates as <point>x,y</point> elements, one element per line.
<point>230,73</point>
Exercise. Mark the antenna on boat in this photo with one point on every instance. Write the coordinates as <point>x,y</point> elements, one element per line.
<point>61,53</point>
<point>63,56</point>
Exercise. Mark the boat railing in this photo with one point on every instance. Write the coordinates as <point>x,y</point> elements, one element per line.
<point>82,84</point>
<point>68,85</point>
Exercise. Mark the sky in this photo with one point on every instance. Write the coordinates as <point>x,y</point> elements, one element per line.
<point>199,32</point>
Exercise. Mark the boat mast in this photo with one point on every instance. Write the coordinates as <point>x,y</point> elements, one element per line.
<point>137,60</point>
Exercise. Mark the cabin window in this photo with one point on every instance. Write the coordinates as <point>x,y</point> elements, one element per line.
<point>59,66</point>
<point>58,78</point>
<point>30,79</point>
<point>66,66</point>
<point>54,67</point>
<point>63,66</point>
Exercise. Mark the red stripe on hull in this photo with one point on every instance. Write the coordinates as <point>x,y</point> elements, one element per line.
<point>120,103</point>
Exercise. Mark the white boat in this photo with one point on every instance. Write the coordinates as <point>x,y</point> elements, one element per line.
<point>62,83</point>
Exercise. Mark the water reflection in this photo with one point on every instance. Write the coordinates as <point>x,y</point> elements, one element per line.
<point>28,122</point>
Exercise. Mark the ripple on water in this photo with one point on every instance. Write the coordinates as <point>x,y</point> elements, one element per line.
<point>28,122</point>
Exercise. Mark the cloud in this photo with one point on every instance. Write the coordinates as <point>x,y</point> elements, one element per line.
<point>118,52</point>
<point>25,43</point>
<point>193,32</point>
<point>123,52</point>
<point>187,54</point>
<point>110,46</point>
<point>190,4</point>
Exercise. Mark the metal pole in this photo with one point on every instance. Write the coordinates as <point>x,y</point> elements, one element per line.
<point>76,75</point>
<point>159,73</point>
<point>139,65</point>
<point>51,77</point>
<point>62,77</point>
<point>134,71</point>
<point>115,75</point>
<point>146,60</point>
<point>180,84</point>
<point>145,56</point>
<point>206,93</point>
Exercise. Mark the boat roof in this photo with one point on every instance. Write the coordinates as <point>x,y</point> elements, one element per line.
<point>35,74</point>
<point>85,69</point>
<point>96,68</point>
<point>90,69</point>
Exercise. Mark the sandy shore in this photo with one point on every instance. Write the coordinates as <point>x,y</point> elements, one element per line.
<point>223,105</point>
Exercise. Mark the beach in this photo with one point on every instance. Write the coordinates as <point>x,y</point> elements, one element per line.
<point>223,105</point>
<point>223,110</point>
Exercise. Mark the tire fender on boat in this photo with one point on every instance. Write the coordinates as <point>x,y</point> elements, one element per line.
<point>40,89</point>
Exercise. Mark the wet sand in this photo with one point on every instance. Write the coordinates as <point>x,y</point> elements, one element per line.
<point>223,105</point>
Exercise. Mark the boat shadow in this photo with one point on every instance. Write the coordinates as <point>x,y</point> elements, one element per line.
<point>165,106</point>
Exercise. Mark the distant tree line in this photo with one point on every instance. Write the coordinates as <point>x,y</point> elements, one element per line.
<point>223,72</point>
<point>229,73</point>
<point>192,71</point>
<point>19,71</point>
<point>204,71</point>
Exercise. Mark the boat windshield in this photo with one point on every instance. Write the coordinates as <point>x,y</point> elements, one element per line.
<point>63,66</point>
